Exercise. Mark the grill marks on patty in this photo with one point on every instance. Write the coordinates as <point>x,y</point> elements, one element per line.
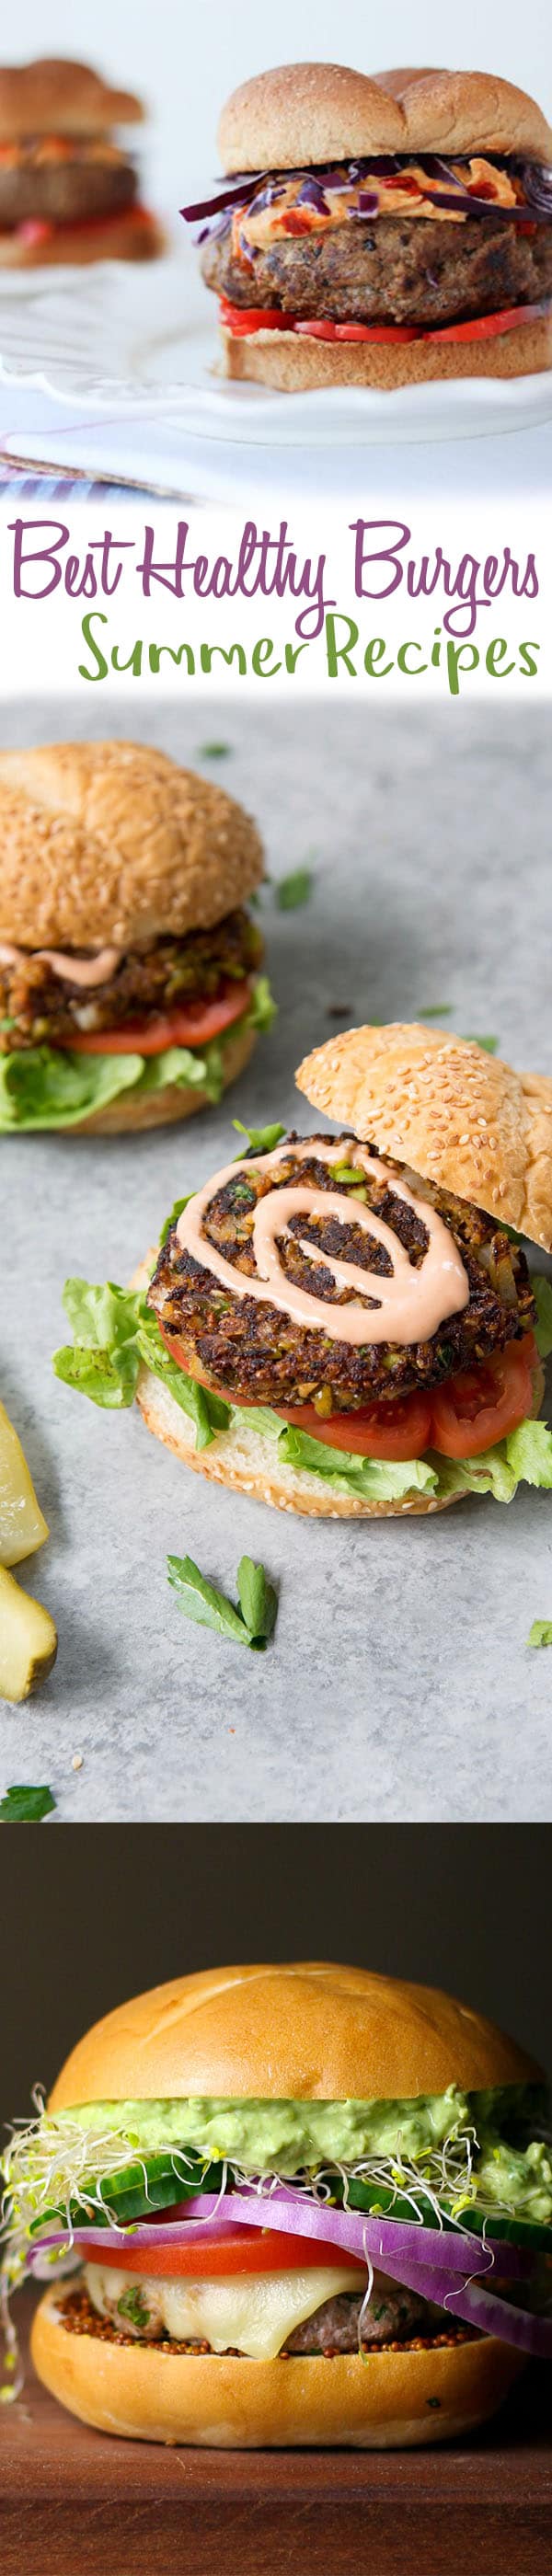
<point>390,270</point>
<point>147,981</point>
<point>239,1346</point>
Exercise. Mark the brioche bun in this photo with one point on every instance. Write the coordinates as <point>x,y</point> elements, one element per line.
<point>310,113</point>
<point>132,236</point>
<point>129,1114</point>
<point>303,2030</point>
<point>440,1104</point>
<point>390,2401</point>
<point>61,97</point>
<point>291,363</point>
<point>112,842</point>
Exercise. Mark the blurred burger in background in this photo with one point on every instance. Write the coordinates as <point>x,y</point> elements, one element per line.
<point>129,984</point>
<point>380,231</point>
<point>68,190</point>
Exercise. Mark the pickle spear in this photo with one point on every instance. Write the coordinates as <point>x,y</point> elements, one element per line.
<point>28,1640</point>
<point>22,1524</point>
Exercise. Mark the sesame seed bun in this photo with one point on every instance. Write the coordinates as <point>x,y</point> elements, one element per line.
<point>134,235</point>
<point>388,2401</point>
<point>112,842</point>
<point>61,97</point>
<point>309,113</point>
<point>291,364</point>
<point>304,2030</point>
<point>439,1103</point>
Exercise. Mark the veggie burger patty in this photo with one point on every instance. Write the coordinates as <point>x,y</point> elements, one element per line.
<point>36,1004</point>
<point>241,1347</point>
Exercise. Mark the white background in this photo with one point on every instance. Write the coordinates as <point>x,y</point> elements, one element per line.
<point>185,58</point>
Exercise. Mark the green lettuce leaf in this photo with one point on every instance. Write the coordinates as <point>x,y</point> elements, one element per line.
<point>541,1633</point>
<point>114,1331</point>
<point>53,1087</point>
<point>378,1479</point>
<point>57,1087</point>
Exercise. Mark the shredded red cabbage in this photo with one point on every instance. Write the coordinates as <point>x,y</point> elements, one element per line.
<point>260,190</point>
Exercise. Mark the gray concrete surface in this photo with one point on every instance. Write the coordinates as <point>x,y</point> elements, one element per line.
<point>399,1684</point>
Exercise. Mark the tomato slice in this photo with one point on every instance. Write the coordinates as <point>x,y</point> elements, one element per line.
<point>398,1430</point>
<point>244,2249</point>
<point>188,1024</point>
<point>489,325</point>
<point>396,331</point>
<point>241,318</point>
<point>460,1419</point>
<point>486,326</point>
<point>479,1406</point>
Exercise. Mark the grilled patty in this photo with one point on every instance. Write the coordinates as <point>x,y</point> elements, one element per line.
<point>40,1009</point>
<point>47,183</point>
<point>246,1348</point>
<point>392,270</point>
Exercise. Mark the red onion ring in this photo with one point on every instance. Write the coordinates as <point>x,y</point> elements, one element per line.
<point>421,2258</point>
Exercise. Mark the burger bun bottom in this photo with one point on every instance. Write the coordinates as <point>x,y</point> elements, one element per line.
<point>391,2401</point>
<point>290,364</point>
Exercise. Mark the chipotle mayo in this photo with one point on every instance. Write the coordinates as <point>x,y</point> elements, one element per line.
<point>411,1302</point>
<point>84,971</point>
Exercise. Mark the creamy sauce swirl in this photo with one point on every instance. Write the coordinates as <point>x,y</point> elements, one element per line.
<point>83,971</point>
<point>411,1302</point>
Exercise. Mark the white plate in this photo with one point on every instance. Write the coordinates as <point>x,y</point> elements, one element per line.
<point>129,338</point>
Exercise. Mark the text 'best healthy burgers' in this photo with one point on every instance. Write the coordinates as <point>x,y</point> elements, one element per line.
<point>345,1324</point>
<point>380,231</point>
<point>129,991</point>
<point>68,191</point>
<point>295,2204</point>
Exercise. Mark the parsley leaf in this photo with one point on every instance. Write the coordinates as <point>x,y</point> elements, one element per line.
<point>23,1806</point>
<point>293,890</point>
<point>201,1601</point>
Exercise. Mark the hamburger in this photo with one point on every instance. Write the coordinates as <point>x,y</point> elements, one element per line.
<point>380,231</point>
<point>68,191</point>
<point>129,984</point>
<point>345,1324</point>
<point>286,2205</point>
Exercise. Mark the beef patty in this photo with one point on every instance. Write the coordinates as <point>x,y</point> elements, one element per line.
<point>242,1347</point>
<point>391,270</point>
<point>55,182</point>
<point>38,1009</point>
<point>400,2321</point>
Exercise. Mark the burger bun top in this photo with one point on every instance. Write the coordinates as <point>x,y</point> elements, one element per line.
<point>305,114</point>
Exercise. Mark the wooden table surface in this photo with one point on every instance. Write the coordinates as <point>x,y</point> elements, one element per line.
<point>75,2503</point>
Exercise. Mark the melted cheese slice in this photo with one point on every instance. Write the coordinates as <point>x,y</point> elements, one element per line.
<point>250,2312</point>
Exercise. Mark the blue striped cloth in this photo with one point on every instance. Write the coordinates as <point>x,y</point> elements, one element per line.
<point>20,483</point>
